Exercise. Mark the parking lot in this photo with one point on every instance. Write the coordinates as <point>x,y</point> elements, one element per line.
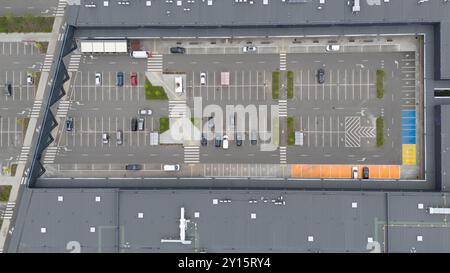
<point>337,117</point>
<point>19,59</point>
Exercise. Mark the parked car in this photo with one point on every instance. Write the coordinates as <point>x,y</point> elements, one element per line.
<point>355,172</point>
<point>332,47</point>
<point>69,124</point>
<point>218,140</point>
<point>133,167</point>
<point>171,167</point>
<point>119,79</point>
<point>98,79</point>
<point>141,122</point>
<point>225,142</point>
<point>177,49</point>
<point>365,172</point>
<point>134,124</point>
<point>321,75</point>
<point>30,79</point>
<point>105,138</point>
<point>204,141</point>
<point>203,78</point>
<point>253,137</point>
<point>249,49</point>
<point>238,139</point>
<point>145,112</point>
<point>119,137</point>
<point>133,79</point>
<point>8,89</point>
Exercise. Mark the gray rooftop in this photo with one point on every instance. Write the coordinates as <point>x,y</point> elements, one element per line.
<point>337,221</point>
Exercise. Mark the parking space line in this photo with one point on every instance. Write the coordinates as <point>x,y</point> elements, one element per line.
<point>360,84</point>
<point>315,130</point>
<point>308,83</point>
<point>243,86</point>
<point>250,85</point>
<point>331,86</point>
<point>368,83</point>
<point>353,84</point>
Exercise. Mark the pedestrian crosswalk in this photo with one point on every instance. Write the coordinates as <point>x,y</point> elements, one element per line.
<point>35,111</point>
<point>177,108</point>
<point>282,61</point>
<point>282,108</point>
<point>23,157</point>
<point>191,154</point>
<point>50,155</point>
<point>9,211</point>
<point>283,155</point>
<point>47,66</point>
<point>155,63</point>
<point>74,63</point>
<point>63,108</point>
<point>59,12</point>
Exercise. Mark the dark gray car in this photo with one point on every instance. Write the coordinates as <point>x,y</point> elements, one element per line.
<point>133,167</point>
<point>8,89</point>
<point>321,75</point>
<point>177,49</point>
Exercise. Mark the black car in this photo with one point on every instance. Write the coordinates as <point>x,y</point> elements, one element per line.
<point>321,75</point>
<point>177,49</point>
<point>365,172</point>
<point>133,167</point>
<point>8,89</point>
<point>69,124</point>
<point>134,124</point>
<point>204,142</point>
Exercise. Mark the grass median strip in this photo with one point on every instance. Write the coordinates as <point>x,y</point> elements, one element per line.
<point>380,83</point>
<point>153,92</point>
<point>26,23</point>
<point>276,85</point>
<point>290,85</point>
<point>4,193</point>
<point>290,131</point>
<point>163,124</point>
<point>380,131</point>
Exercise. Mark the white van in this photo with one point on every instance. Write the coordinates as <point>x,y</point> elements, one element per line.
<point>171,167</point>
<point>225,142</point>
<point>139,54</point>
<point>333,47</point>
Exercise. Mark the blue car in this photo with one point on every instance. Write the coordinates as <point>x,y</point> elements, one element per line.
<point>119,79</point>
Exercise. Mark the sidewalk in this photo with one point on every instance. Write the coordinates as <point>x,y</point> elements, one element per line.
<point>52,38</point>
<point>19,37</point>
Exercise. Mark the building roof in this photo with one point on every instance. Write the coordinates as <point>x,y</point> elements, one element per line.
<point>334,221</point>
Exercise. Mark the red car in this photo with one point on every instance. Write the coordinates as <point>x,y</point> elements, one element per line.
<point>134,80</point>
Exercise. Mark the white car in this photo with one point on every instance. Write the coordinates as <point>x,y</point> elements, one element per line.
<point>225,142</point>
<point>249,49</point>
<point>203,78</point>
<point>30,80</point>
<point>105,138</point>
<point>98,79</point>
<point>145,112</point>
<point>333,48</point>
<point>171,167</point>
<point>355,172</point>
